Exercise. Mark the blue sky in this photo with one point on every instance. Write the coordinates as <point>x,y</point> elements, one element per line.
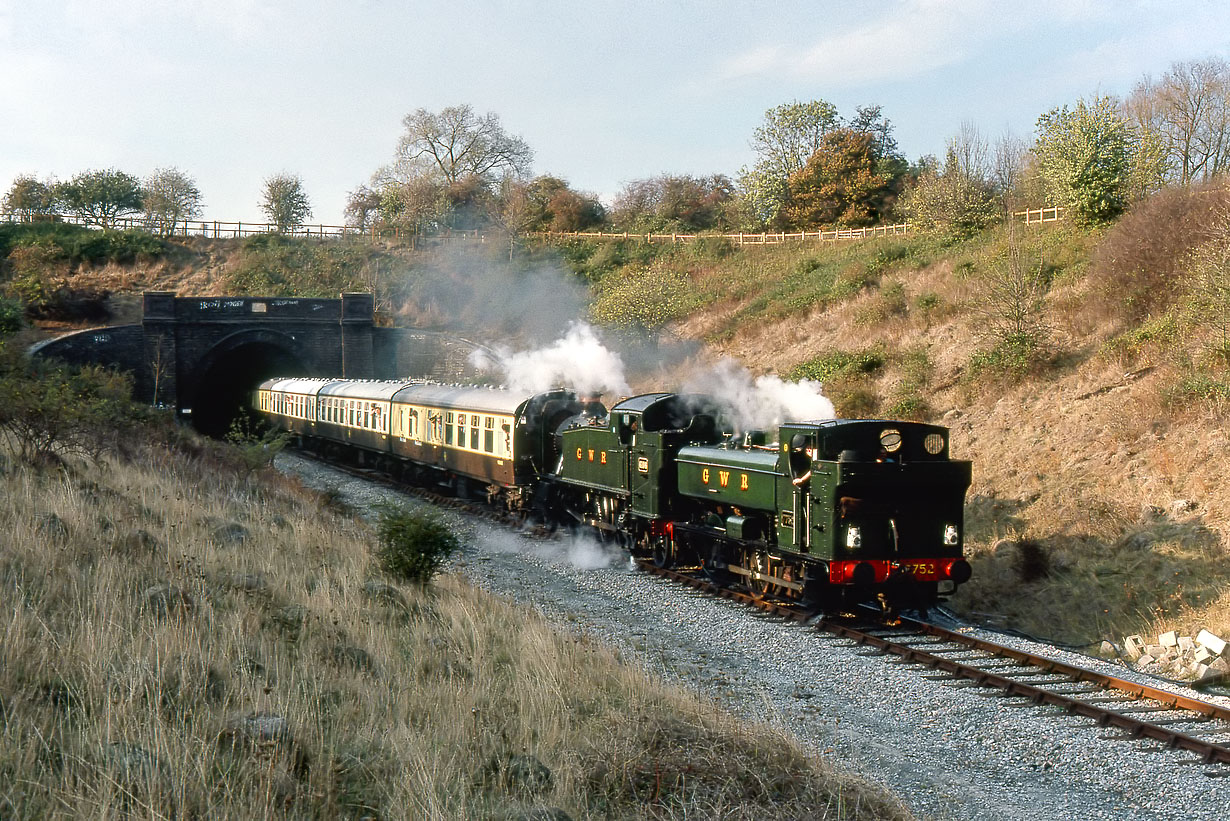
<point>232,91</point>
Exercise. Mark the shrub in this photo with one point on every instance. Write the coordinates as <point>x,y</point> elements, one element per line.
<point>829,365</point>
<point>644,299</point>
<point>1139,268</point>
<point>51,411</point>
<point>256,448</point>
<point>413,546</point>
<point>10,316</point>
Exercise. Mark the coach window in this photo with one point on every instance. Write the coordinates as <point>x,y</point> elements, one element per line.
<point>448,428</point>
<point>489,434</point>
<point>461,430</point>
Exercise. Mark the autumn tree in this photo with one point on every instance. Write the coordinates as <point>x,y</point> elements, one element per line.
<point>169,197</point>
<point>789,140</point>
<point>838,186</point>
<point>100,197</point>
<point>676,203</point>
<point>284,201</point>
<point>29,198</point>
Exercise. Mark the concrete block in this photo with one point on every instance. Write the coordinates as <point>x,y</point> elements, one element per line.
<point>1108,649</point>
<point>1154,650</point>
<point>1187,643</point>
<point>1170,639</point>
<point>1199,671</point>
<point>1134,646</point>
<point>1212,641</point>
<point>1145,660</point>
<point>1204,655</point>
<point>1220,666</point>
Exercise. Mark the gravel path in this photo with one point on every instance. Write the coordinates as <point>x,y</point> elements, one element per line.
<point>950,752</point>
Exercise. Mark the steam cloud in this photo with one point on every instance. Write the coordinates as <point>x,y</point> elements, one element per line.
<point>764,402</point>
<point>577,360</point>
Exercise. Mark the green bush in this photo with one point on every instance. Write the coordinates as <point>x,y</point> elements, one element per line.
<point>75,244</point>
<point>413,546</point>
<point>644,300</point>
<point>273,265</point>
<point>829,365</point>
<point>10,316</point>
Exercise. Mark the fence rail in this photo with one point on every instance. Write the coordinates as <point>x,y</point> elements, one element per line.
<point>742,238</point>
<point>1037,216</point>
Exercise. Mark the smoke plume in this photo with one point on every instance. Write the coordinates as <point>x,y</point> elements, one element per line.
<point>577,360</point>
<point>763,402</point>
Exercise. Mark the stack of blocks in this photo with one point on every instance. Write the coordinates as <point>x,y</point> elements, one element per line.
<point>1204,658</point>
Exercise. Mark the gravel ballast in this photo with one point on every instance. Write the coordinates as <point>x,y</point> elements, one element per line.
<point>949,752</point>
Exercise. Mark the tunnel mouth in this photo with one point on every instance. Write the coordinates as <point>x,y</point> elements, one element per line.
<point>224,386</point>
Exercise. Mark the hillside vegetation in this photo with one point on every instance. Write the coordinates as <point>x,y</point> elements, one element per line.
<point>190,635</point>
<point>1082,369</point>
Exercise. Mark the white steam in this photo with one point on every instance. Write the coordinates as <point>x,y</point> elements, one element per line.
<point>578,360</point>
<point>763,402</point>
<point>580,551</point>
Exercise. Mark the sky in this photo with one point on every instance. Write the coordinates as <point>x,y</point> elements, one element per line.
<point>232,92</point>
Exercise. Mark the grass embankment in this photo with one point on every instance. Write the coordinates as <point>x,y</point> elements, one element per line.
<point>184,640</point>
<point>1084,371</point>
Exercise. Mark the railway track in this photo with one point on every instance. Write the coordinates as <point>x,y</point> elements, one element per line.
<point>1137,711</point>
<point>1134,710</point>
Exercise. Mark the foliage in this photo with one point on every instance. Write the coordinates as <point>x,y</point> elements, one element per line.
<point>1093,160</point>
<point>169,197</point>
<point>100,197</point>
<point>413,546</point>
<point>255,447</point>
<point>10,316</point>
<point>643,299</point>
<point>73,244</point>
<point>1012,304</point>
<point>1139,268</point>
<point>49,411</point>
<point>955,199</point>
<point>284,201</point>
<point>28,197</point>
<point>675,203</point>
<point>546,203</point>
<point>362,208</point>
<point>783,143</point>
<point>457,143</point>
<point>832,364</point>
<point>1209,283</point>
<point>274,265</point>
<point>839,185</point>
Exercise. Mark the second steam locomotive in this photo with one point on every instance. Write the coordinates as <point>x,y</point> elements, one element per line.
<point>832,512</point>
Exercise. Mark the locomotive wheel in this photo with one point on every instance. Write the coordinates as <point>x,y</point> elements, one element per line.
<point>757,562</point>
<point>664,553</point>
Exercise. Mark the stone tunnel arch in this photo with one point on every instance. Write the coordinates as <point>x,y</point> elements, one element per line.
<point>226,375</point>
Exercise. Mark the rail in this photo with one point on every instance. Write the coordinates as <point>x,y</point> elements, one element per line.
<point>1037,216</point>
<point>740,238</point>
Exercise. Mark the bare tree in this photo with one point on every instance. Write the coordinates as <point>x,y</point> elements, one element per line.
<point>458,143</point>
<point>1008,174</point>
<point>169,196</point>
<point>1189,107</point>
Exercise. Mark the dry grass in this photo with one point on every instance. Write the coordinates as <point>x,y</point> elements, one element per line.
<point>179,642</point>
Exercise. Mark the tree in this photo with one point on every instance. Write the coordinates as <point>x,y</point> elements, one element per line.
<point>1088,156</point>
<point>284,201</point>
<point>362,208</point>
<point>952,200</point>
<point>790,135</point>
<point>839,185</point>
<point>101,197</point>
<point>457,143</point>
<point>959,197</point>
<point>170,197</point>
<point>790,138</point>
<point>29,198</point>
<point>676,202</point>
<point>1189,110</point>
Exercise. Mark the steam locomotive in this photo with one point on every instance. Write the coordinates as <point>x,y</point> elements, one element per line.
<point>833,512</point>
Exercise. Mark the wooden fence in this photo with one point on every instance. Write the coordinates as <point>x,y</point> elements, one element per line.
<point>1038,216</point>
<point>742,238</point>
<point>215,229</point>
